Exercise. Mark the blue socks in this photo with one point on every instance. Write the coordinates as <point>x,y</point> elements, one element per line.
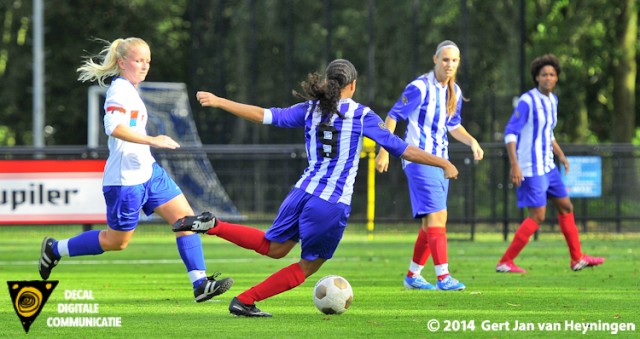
<point>190,248</point>
<point>86,243</point>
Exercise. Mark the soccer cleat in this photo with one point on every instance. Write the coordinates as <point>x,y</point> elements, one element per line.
<point>211,288</point>
<point>196,223</point>
<point>450,284</point>
<point>509,267</point>
<point>417,282</point>
<point>586,261</point>
<point>238,308</point>
<point>48,260</point>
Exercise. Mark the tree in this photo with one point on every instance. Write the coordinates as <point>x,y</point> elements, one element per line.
<point>625,73</point>
<point>258,51</point>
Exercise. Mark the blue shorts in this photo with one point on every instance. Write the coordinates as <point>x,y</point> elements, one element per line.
<point>428,189</point>
<point>316,223</point>
<point>533,191</point>
<point>124,203</point>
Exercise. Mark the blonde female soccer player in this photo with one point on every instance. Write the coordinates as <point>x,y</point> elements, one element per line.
<point>431,104</point>
<point>133,181</point>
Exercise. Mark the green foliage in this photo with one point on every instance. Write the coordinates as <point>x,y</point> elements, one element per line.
<point>636,139</point>
<point>7,138</point>
<point>258,51</point>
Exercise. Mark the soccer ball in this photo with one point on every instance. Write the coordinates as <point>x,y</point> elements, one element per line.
<point>332,295</point>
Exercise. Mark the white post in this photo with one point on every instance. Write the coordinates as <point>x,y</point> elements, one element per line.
<point>38,75</point>
<point>93,118</point>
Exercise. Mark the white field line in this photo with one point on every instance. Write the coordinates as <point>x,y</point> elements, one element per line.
<point>147,262</point>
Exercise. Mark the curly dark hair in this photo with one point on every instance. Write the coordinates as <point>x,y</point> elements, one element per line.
<point>546,60</point>
<point>339,73</point>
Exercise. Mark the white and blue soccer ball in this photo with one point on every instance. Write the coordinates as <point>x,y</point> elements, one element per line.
<point>332,294</point>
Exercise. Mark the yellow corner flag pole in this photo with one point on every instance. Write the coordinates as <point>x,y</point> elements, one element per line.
<point>369,151</point>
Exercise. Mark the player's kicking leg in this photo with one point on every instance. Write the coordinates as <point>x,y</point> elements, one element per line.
<point>196,223</point>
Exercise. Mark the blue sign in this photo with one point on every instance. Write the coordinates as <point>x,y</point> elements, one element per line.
<point>584,179</point>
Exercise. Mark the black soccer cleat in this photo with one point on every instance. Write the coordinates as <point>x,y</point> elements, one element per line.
<point>238,308</point>
<point>48,260</point>
<point>196,223</point>
<point>211,288</point>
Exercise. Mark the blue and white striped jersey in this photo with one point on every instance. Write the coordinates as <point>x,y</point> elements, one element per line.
<point>333,148</point>
<point>424,105</point>
<point>531,128</point>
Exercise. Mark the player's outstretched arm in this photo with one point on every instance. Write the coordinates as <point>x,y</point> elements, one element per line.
<point>249,112</point>
<point>415,154</point>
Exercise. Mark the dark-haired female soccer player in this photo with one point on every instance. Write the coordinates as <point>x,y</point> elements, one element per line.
<point>531,146</point>
<point>316,210</point>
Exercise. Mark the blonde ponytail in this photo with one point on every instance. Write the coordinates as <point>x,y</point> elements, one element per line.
<point>107,66</point>
<point>452,100</point>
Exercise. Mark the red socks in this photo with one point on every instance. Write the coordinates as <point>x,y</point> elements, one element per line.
<point>520,239</point>
<point>570,231</point>
<point>243,236</point>
<point>421,250</point>
<point>281,281</point>
<point>437,238</point>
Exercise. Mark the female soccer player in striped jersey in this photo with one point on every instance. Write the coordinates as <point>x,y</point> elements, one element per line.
<point>316,210</point>
<point>531,146</point>
<point>132,181</point>
<point>431,104</point>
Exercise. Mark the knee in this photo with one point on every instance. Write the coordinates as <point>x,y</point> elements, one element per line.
<point>277,253</point>
<point>566,209</point>
<point>310,267</point>
<point>538,218</point>
<point>115,246</point>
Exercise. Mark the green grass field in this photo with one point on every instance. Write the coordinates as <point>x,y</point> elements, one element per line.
<point>146,287</point>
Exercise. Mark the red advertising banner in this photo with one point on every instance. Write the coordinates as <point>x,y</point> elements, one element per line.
<point>51,192</point>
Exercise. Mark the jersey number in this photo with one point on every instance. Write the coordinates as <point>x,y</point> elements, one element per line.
<point>328,140</point>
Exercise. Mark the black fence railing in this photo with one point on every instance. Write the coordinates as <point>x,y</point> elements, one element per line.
<point>258,177</point>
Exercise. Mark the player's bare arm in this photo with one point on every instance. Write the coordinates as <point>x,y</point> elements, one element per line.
<point>382,159</point>
<point>415,154</point>
<point>249,112</point>
<point>464,137</point>
<point>125,133</point>
<point>557,150</point>
<point>515,172</point>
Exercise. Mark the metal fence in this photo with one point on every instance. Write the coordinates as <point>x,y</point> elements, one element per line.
<point>258,177</point>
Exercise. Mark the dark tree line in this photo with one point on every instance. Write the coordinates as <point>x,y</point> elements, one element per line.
<point>258,51</point>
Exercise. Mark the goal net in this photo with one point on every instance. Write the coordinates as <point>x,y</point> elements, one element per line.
<point>170,114</point>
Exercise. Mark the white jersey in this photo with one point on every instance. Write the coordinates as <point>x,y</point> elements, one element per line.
<point>128,163</point>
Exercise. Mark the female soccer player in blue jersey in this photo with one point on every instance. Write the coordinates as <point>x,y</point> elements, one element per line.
<point>316,210</point>
<point>133,181</point>
<point>531,146</point>
<point>431,104</point>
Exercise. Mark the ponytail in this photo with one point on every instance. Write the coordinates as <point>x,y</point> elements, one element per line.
<point>339,73</point>
<point>107,65</point>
